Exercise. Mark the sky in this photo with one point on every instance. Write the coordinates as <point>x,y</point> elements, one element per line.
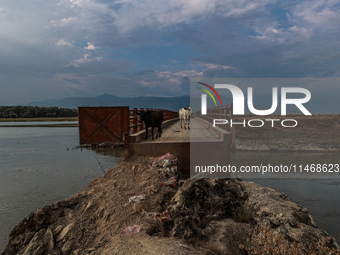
<point>82,48</point>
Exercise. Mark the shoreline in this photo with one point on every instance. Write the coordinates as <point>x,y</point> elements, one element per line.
<point>91,220</point>
<point>47,125</point>
<point>39,119</point>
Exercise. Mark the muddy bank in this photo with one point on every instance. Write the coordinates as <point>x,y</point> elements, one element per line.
<point>244,144</point>
<point>141,207</point>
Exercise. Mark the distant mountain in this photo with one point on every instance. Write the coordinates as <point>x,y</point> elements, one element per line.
<point>170,103</point>
<point>173,103</point>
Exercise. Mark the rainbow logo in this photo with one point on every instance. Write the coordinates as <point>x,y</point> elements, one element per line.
<point>209,93</point>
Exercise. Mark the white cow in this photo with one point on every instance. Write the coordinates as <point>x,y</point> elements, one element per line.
<point>184,116</point>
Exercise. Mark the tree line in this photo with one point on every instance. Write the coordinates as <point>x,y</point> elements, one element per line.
<point>36,112</point>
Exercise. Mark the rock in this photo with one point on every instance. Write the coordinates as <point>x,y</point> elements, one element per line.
<point>282,230</point>
<point>114,183</point>
<point>55,206</point>
<point>69,202</point>
<point>143,183</point>
<point>88,206</point>
<point>304,210</point>
<point>139,207</point>
<point>49,239</point>
<point>22,226</point>
<point>76,252</point>
<point>19,239</point>
<point>67,247</point>
<point>285,227</point>
<point>70,215</point>
<point>293,223</point>
<point>151,190</point>
<point>35,243</point>
<point>275,221</point>
<point>57,230</point>
<point>266,222</point>
<point>28,237</point>
<point>39,250</point>
<point>64,232</point>
<point>39,217</point>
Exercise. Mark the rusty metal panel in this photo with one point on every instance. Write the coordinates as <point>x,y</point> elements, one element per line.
<point>103,124</point>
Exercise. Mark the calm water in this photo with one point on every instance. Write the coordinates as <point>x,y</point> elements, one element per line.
<point>320,196</point>
<point>38,167</point>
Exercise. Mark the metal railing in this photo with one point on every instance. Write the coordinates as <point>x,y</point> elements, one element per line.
<point>222,112</point>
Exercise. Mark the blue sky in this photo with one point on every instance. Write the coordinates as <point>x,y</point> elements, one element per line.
<point>67,48</point>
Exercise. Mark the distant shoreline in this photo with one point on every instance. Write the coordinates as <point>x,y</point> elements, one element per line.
<point>39,119</point>
<point>62,121</point>
<point>48,125</point>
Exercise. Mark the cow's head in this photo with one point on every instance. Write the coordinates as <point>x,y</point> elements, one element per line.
<point>141,115</point>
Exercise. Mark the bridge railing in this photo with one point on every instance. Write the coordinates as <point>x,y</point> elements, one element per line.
<point>222,112</point>
<point>137,126</point>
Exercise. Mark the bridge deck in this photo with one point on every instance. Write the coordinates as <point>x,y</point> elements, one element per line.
<point>208,145</point>
<point>174,133</point>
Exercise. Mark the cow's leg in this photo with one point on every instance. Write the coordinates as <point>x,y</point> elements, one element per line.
<point>152,133</point>
<point>159,131</point>
<point>146,132</point>
<point>189,123</point>
<point>181,122</point>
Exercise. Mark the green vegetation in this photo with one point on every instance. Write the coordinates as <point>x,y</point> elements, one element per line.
<point>14,112</point>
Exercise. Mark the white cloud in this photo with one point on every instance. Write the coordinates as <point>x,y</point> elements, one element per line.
<point>281,36</point>
<point>90,46</point>
<point>62,42</point>
<point>216,66</point>
<point>128,16</point>
<point>64,21</point>
<point>322,14</point>
<point>309,19</point>
<point>168,80</point>
<point>242,7</point>
<point>86,58</point>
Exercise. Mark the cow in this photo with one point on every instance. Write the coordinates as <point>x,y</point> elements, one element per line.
<point>184,116</point>
<point>152,119</point>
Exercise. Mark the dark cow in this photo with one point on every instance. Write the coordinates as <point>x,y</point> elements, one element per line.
<point>152,119</point>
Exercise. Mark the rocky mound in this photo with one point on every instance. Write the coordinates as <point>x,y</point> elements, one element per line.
<point>142,207</point>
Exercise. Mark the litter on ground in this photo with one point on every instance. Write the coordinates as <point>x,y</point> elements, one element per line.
<point>131,230</point>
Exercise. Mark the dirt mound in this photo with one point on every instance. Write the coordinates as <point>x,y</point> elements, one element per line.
<point>137,204</point>
<point>93,220</point>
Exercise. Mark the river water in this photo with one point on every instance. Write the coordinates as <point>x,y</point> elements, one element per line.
<point>38,166</point>
<point>320,196</point>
